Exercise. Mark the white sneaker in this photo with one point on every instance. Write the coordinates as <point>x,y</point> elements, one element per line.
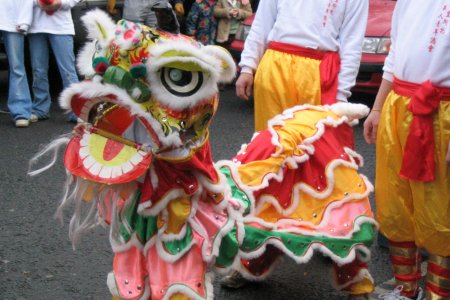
<point>396,294</point>
<point>22,123</point>
<point>33,118</point>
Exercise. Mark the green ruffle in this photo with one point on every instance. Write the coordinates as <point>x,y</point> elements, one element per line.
<point>177,246</point>
<point>228,250</point>
<point>299,244</point>
<point>236,193</point>
<point>144,227</point>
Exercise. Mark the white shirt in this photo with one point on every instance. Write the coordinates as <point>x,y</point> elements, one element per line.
<point>14,13</point>
<point>329,25</point>
<point>420,47</point>
<point>60,22</point>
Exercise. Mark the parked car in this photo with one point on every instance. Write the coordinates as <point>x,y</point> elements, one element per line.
<point>375,47</point>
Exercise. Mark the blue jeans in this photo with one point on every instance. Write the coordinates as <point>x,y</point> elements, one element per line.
<point>19,97</point>
<point>62,47</point>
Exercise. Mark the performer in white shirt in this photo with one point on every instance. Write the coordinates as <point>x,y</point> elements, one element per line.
<point>301,52</point>
<point>410,123</point>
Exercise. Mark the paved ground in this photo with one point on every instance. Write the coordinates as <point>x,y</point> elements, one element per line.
<point>36,258</point>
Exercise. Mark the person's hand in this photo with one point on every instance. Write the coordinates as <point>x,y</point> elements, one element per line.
<point>234,13</point>
<point>371,127</point>
<point>111,7</point>
<point>448,153</point>
<point>22,28</point>
<point>179,9</point>
<point>244,86</point>
<point>49,5</point>
<point>78,130</point>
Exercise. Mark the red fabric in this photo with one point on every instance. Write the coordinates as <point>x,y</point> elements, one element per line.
<point>261,265</point>
<point>74,164</point>
<point>47,2</point>
<point>329,71</point>
<point>348,272</point>
<point>418,157</point>
<point>311,172</point>
<point>438,270</point>
<point>444,293</point>
<point>404,261</point>
<point>329,67</point>
<point>408,277</point>
<point>180,174</point>
<point>402,244</point>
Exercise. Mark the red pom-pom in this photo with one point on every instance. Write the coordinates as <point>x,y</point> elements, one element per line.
<point>100,64</point>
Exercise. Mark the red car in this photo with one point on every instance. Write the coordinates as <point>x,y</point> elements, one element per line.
<point>375,47</point>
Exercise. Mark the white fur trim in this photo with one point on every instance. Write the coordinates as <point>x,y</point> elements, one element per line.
<point>84,59</point>
<point>171,258</point>
<point>228,70</point>
<point>99,26</point>
<point>185,290</point>
<point>351,110</point>
<point>209,64</point>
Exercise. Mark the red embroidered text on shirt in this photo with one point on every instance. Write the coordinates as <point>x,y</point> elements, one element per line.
<point>332,4</point>
<point>440,28</point>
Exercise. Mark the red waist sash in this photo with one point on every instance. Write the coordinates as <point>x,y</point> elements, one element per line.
<point>418,157</point>
<point>330,66</point>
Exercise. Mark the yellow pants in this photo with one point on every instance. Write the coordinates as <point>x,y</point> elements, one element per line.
<point>412,210</point>
<point>282,81</point>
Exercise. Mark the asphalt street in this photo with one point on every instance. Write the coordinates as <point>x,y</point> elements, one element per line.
<point>36,257</point>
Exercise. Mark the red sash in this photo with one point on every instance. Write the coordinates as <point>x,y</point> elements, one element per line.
<point>418,157</point>
<point>329,67</point>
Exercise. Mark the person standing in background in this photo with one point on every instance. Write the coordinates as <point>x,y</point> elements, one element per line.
<point>201,23</point>
<point>300,52</point>
<point>138,11</point>
<point>52,24</point>
<point>410,123</point>
<point>230,14</point>
<point>179,8</point>
<point>15,20</point>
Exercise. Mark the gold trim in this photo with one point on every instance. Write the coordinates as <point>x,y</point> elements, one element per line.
<point>403,252</point>
<point>405,270</point>
<point>443,262</point>
<point>119,139</point>
<point>432,296</point>
<point>438,281</point>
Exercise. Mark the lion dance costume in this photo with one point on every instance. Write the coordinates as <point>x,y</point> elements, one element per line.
<point>143,166</point>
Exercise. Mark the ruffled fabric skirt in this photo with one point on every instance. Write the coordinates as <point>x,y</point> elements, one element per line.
<point>304,192</point>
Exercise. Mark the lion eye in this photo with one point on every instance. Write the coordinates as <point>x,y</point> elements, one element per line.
<point>181,83</point>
